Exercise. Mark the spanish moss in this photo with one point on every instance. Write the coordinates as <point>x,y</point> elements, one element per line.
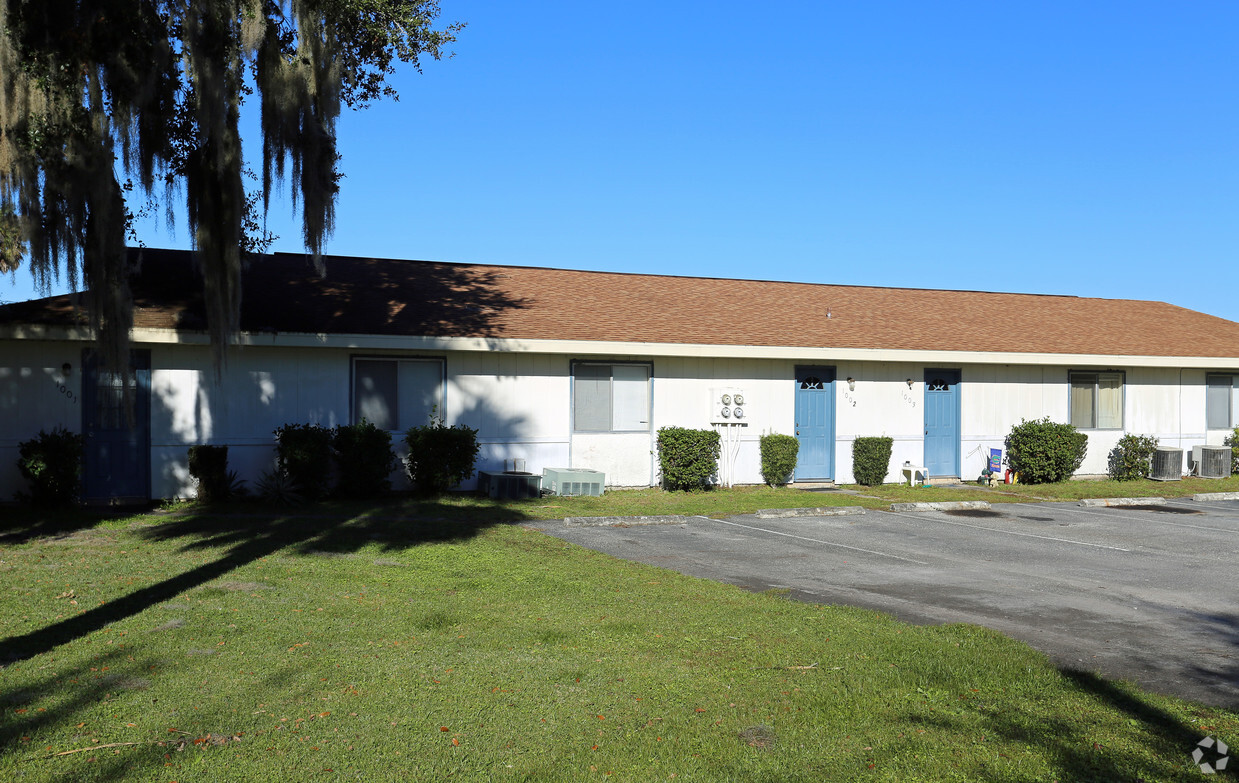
<point>105,103</point>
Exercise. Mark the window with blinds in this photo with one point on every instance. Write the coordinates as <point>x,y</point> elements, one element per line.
<point>1219,402</point>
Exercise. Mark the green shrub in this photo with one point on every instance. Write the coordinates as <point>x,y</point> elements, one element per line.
<point>440,457</point>
<point>1233,442</point>
<point>687,458</point>
<point>778,458</point>
<point>303,453</point>
<point>1044,452</point>
<point>364,460</point>
<point>51,463</point>
<point>1132,458</point>
<point>276,488</point>
<point>209,464</point>
<point>871,460</point>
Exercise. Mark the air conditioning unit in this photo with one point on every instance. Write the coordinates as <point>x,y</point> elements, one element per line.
<point>1167,465</point>
<point>574,481</point>
<point>1214,461</point>
<point>509,486</point>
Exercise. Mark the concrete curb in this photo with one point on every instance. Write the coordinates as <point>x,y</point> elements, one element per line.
<point>950,505</point>
<point>1203,496</point>
<point>1123,502</point>
<point>829,511</point>
<point>624,521</point>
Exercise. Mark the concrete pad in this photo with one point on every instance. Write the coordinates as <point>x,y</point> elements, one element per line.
<point>948,505</point>
<point>1202,497</point>
<point>1123,502</point>
<point>828,511</point>
<point>624,521</point>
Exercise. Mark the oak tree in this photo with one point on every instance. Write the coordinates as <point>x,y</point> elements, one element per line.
<point>109,104</point>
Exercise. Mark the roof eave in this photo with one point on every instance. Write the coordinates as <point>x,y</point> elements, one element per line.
<point>799,353</point>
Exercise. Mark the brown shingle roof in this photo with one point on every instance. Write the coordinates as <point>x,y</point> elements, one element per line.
<point>282,293</point>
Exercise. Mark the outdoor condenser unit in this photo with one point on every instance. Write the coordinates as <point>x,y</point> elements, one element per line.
<point>1214,462</point>
<point>574,481</point>
<point>1167,465</point>
<point>509,486</point>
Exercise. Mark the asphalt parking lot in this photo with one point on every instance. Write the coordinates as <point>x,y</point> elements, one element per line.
<point>1144,593</point>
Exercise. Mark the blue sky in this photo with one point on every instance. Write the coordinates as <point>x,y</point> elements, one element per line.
<point>1073,148</point>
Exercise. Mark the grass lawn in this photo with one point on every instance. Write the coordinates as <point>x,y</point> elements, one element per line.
<point>333,645</point>
<point>1140,488</point>
<point>467,506</point>
<point>1062,491</point>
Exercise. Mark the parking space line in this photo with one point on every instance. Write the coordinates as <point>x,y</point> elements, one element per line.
<point>815,540</point>
<point>1010,532</point>
<point>1108,513</point>
<point>1214,505</point>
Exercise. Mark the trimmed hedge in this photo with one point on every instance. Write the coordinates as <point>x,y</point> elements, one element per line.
<point>303,453</point>
<point>440,457</point>
<point>51,463</point>
<point>209,464</point>
<point>778,458</point>
<point>1233,442</point>
<point>1044,452</point>
<point>364,460</point>
<point>871,460</point>
<point>1132,458</point>
<point>687,458</point>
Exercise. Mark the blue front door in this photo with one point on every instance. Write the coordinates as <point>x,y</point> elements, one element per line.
<point>815,423</point>
<point>942,422</point>
<point>117,459</point>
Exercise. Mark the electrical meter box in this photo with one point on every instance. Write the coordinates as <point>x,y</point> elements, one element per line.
<point>729,405</point>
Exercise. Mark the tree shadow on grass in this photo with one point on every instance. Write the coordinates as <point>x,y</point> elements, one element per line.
<point>23,524</point>
<point>1071,748</point>
<point>247,536</point>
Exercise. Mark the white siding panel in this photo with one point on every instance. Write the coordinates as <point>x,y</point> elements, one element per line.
<point>35,394</point>
<point>624,457</point>
<point>518,403</point>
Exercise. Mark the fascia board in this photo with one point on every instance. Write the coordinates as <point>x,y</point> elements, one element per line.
<point>380,342</point>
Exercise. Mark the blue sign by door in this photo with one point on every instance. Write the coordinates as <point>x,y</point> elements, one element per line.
<point>942,422</point>
<point>117,459</point>
<point>815,423</point>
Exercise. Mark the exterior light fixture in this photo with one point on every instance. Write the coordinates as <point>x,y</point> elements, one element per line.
<point>851,384</point>
<point>909,383</point>
<point>66,368</point>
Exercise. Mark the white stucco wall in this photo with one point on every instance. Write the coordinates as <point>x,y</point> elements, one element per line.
<point>520,403</point>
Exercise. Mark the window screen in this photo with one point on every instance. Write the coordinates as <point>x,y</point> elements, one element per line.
<point>1219,401</point>
<point>591,392</point>
<point>611,397</point>
<point>374,393</point>
<point>396,394</point>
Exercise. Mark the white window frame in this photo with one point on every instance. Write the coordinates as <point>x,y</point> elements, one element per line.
<point>1075,376</point>
<point>440,402</point>
<point>649,398</point>
<point>1230,400</point>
